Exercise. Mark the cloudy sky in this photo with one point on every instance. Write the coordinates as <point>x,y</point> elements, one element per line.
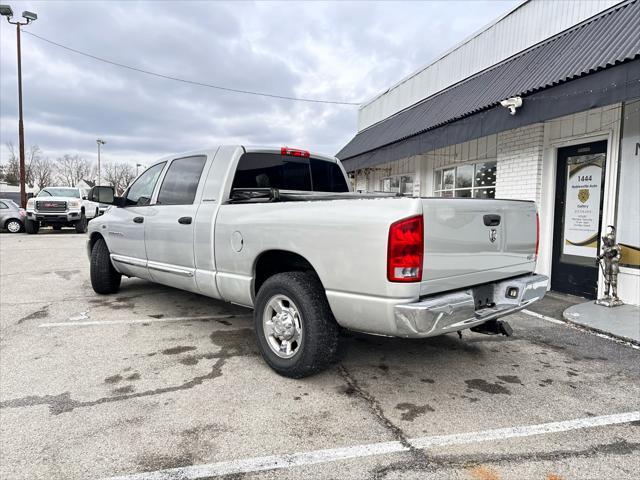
<point>332,51</point>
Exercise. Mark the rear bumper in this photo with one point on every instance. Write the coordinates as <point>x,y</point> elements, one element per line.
<point>464,309</point>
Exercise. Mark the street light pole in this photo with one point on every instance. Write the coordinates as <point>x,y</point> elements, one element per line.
<point>6,11</point>
<point>99,141</point>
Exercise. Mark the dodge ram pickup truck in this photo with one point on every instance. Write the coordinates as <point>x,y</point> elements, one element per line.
<point>279,231</point>
<point>59,207</point>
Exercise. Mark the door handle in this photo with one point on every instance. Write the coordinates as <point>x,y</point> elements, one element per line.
<point>491,220</point>
<point>138,219</point>
<point>184,220</point>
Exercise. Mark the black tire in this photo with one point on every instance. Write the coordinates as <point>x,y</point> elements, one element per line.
<point>104,278</point>
<point>13,225</point>
<point>320,332</point>
<point>31,226</point>
<point>56,227</point>
<point>81,225</point>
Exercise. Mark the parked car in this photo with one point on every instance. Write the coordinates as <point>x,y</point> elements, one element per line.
<point>59,207</point>
<point>11,216</point>
<point>279,231</point>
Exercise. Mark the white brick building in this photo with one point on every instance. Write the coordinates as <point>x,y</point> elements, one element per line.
<point>579,82</point>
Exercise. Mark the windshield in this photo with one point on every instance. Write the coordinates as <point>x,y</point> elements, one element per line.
<point>59,192</point>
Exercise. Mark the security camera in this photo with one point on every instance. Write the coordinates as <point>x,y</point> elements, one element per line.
<point>512,104</point>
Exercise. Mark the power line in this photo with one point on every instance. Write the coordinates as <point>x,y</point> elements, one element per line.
<point>190,82</point>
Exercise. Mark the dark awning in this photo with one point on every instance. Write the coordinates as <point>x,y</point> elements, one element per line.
<point>565,60</point>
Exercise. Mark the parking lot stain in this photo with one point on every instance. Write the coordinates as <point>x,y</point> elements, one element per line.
<point>66,274</point>
<point>482,472</point>
<point>412,411</point>
<point>133,376</point>
<point>510,379</point>
<point>177,350</point>
<point>427,380</point>
<point>123,390</point>
<point>484,386</point>
<point>232,344</point>
<point>153,462</point>
<point>113,379</point>
<point>545,382</point>
<point>38,314</point>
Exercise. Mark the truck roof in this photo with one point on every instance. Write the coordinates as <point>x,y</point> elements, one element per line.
<point>247,148</point>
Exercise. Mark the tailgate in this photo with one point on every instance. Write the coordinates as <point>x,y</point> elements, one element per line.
<point>472,241</point>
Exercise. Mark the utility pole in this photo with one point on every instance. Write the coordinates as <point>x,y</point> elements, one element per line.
<point>6,11</point>
<point>99,141</point>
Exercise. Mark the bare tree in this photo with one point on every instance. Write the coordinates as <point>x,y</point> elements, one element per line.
<point>12,169</point>
<point>119,175</point>
<point>42,172</point>
<point>71,169</point>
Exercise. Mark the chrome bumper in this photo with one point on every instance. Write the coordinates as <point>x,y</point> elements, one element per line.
<point>467,308</point>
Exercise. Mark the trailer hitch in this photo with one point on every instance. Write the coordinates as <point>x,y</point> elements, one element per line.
<point>494,327</point>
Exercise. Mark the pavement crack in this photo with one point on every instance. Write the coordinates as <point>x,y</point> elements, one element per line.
<point>375,408</point>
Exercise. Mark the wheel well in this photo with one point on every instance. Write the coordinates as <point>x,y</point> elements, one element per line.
<point>278,261</point>
<point>95,236</point>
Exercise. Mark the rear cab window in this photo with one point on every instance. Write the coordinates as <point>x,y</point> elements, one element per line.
<point>284,172</point>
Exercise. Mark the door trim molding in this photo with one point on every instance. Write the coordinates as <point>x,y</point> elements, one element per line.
<point>167,268</point>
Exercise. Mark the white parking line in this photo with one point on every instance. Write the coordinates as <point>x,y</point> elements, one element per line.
<point>581,328</point>
<point>544,317</point>
<point>137,320</point>
<point>275,462</point>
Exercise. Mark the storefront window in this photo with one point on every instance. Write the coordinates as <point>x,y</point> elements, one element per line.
<point>466,181</point>
<point>398,184</point>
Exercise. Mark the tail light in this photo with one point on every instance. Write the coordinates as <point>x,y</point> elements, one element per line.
<point>405,250</point>
<point>294,152</point>
<point>537,235</point>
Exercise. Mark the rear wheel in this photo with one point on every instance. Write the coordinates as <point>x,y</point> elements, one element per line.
<point>81,225</point>
<point>296,332</point>
<point>32,226</point>
<point>104,278</point>
<point>13,225</point>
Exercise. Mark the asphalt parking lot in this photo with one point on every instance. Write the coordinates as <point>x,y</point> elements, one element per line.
<point>158,380</point>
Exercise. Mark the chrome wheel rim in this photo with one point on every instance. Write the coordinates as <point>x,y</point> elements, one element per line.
<point>13,226</point>
<point>282,326</point>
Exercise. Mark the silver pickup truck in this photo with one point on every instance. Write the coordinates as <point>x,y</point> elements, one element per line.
<point>279,231</point>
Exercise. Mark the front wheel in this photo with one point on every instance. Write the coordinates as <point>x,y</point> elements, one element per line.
<point>296,331</point>
<point>104,278</point>
<point>31,226</point>
<point>81,225</point>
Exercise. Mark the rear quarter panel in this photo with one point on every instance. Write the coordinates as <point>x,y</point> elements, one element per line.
<point>344,240</point>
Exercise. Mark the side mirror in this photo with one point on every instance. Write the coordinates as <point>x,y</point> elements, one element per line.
<point>84,197</point>
<point>102,194</point>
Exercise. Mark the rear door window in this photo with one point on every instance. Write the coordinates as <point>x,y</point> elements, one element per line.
<point>181,181</point>
<point>284,172</point>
